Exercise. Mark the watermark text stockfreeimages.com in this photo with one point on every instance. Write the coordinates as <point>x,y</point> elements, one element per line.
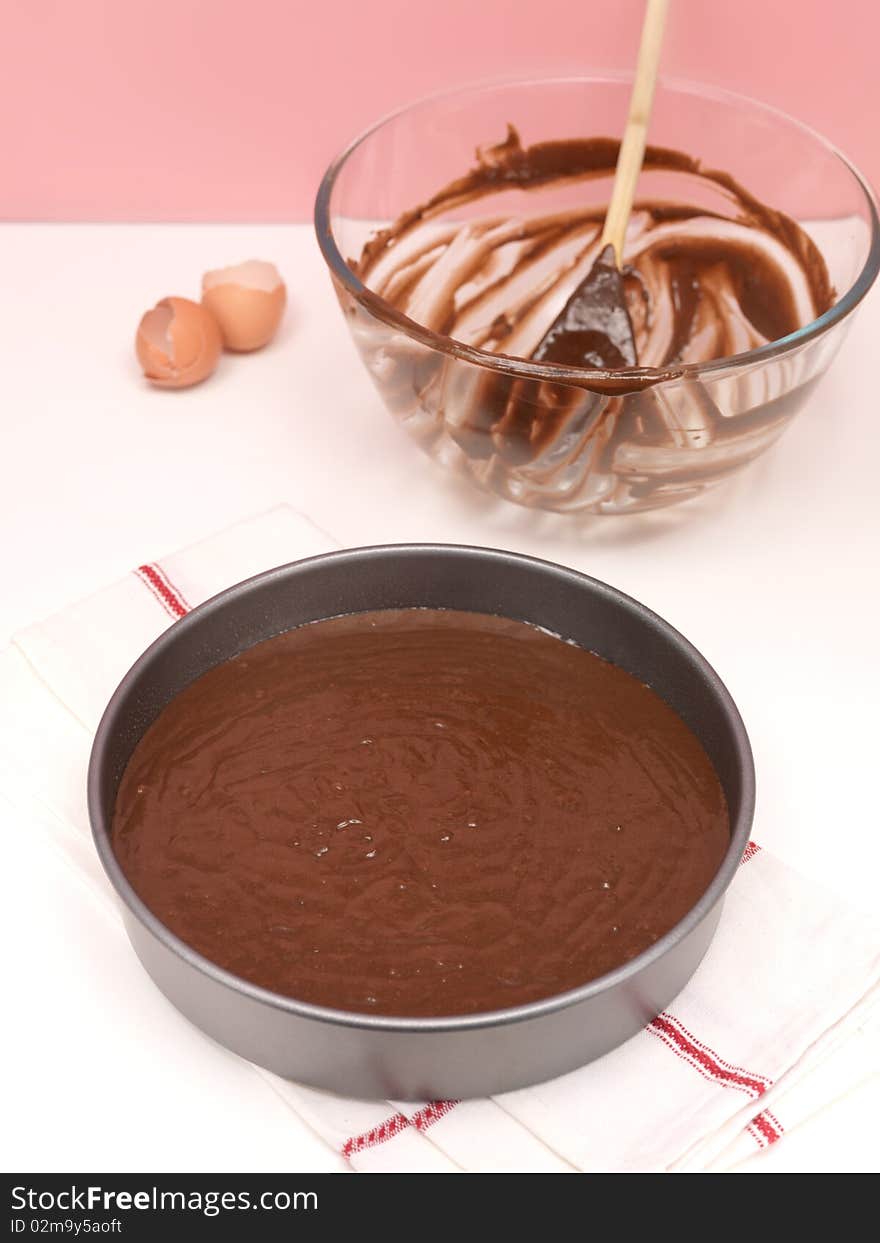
<point>210,1203</point>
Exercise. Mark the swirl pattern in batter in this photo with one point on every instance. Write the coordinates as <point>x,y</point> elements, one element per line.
<point>701,284</point>
<point>488,263</point>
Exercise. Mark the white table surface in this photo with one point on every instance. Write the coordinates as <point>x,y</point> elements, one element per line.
<point>774,577</point>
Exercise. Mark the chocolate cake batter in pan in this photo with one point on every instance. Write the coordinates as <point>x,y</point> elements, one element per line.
<point>470,833</point>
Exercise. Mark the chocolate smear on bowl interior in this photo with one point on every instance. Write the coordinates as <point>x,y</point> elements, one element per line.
<point>495,261</point>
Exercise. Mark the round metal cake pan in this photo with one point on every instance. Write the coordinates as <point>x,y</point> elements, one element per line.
<point>425,1058</point>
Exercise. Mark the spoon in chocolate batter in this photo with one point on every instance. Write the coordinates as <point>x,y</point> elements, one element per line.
<point>594,328</point>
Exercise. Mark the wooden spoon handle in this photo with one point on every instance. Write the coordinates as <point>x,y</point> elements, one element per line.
<point>632,149</point>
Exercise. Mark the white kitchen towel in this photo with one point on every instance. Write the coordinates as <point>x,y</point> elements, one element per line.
<point>779,1020</point>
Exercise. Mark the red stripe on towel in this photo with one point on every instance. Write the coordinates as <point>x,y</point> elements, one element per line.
<point>378,1135</point>
<point>704,1060</point>
<point>765,1129</point>
<point>749,853</point>
<point>155,578</point>
<point>768,1083</point>
<point>432,1113</point>
<point>395,1124</point>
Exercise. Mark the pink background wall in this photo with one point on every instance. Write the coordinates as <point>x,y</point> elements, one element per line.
<point>230,109</point>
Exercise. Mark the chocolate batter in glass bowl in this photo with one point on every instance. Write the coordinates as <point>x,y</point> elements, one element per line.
<point>456,230</point>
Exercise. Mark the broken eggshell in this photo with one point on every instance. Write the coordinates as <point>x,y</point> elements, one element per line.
<point>247,301</point>
<point>178,343</point>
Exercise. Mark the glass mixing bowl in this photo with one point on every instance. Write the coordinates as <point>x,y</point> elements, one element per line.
<point>660,438</point>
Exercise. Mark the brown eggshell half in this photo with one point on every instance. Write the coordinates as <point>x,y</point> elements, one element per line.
<point>247,301</point>
<point>178,343</point>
